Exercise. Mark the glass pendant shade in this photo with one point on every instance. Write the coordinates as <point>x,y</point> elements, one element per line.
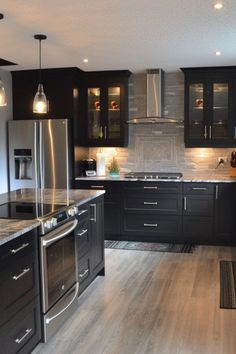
<point>3,99</point>
<point>40,101</point>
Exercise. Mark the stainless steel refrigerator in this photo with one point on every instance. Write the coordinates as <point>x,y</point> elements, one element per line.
<point>38,153</point>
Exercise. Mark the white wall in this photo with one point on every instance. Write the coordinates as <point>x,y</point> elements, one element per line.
<point>5,115</point>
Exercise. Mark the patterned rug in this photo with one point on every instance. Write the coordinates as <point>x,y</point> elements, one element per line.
<point>150,246</point>
<point>227,285</point>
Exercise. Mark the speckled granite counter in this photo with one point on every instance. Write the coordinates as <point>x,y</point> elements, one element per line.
<point>186,178</point>
<point>12,228</point>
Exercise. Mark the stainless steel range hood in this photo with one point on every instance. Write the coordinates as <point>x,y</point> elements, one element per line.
<point>154,96</point>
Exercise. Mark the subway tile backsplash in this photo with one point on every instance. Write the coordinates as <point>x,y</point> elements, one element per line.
<point>154,147</point>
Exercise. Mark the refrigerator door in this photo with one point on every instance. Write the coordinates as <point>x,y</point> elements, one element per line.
<point>53,153</point>
<point>23,154</point>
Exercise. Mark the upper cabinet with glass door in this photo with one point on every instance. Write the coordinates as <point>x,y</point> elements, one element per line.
<point>209,108</point>
<point>107,108</point>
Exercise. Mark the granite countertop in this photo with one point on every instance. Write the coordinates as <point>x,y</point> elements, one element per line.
<point>211,178</point>
<point>12,228</point>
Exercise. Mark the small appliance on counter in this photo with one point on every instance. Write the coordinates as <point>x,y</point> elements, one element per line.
<point>86,168</point>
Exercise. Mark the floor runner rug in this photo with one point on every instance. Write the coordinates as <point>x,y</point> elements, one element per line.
<point>150,246</point>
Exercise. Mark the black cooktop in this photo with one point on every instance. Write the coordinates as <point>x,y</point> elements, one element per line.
<point>154,175</point>
<point>27,211</point>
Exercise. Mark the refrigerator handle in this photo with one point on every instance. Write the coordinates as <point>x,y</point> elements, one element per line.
<point>41,170</point>
<point>36,169</point>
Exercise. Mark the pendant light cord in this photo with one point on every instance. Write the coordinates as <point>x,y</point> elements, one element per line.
<point>40,73</point>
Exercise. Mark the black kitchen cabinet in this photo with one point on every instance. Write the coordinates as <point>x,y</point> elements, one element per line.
<point>106,108</point>
<point>225,220</point>
<point>198,211</point>
<point>112,204</point>
<point>20,327</point>
<point>209,107</point>
<point>90,242</point>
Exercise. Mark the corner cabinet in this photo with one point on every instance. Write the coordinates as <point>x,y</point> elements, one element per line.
<point>209,106</point>
<point>106,111</point>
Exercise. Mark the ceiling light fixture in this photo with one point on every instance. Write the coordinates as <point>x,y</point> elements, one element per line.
<point>40,104</point>
<point>218,6</point>
<point>218,53</point>
<point>3,99</point>
<point>85,60</point>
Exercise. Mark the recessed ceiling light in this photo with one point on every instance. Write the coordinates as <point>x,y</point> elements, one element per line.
<point>218,52</point>
<point>85,60</point>
<point>218,6</point>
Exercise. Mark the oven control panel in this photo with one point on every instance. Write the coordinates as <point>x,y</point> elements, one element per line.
<point>58,218</point>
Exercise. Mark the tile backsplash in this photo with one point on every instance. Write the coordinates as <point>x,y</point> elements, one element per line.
<point>160,147</point>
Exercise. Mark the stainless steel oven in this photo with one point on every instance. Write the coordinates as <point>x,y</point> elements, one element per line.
<point>59,278</point>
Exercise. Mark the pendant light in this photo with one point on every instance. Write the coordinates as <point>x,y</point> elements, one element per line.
<point>40,104</point>
<point>3,99</point>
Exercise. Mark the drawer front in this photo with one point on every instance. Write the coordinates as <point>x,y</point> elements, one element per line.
<point>154,187</point>
<point>146,224</point>
<point>198,229</point>
<point>22,246</point>
<point>198,188</point>
<point>161,204</point>
<point>23,332</point>
<point>82,237</point>
<point>109,187</point>
<point>198,205</point>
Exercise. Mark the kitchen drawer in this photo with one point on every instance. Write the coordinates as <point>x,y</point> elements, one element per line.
<point>198,188</point>
<point>109,187</point>
<point>161,203</point>
<point>23,332</point>
<point>82,238</point>
<point>153,187</point>
<point>146,224</point>
<point>21,246</point>
<point>198,229</point>
<point>201,205</point>
<point>18,284</point>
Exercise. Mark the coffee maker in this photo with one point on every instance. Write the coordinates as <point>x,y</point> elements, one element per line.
<point>86,168</point>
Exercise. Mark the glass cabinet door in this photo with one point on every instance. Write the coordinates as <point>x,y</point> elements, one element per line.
<point>114,114</point>
<point>197,127</point>
<point>94,113</point>
<point>219,127</point>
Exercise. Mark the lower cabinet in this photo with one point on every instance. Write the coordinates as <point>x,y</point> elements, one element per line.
<point>192,212</point>
<point>20,328</point>
<point>90,243</point>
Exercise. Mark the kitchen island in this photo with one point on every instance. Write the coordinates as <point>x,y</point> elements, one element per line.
<point>51,249</point>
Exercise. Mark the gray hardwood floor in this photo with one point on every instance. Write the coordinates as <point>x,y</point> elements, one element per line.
<point>151,302</point>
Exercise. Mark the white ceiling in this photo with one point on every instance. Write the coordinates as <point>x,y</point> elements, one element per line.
<point>118,34</point>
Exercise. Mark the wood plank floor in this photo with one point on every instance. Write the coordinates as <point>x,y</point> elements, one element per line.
<point>151,302</point>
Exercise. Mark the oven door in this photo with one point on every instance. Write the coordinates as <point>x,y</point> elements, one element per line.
<point>58,263</point>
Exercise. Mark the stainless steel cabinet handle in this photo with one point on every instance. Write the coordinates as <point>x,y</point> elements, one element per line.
<point>185,203</point>
<point>16,277</point>
<point>217,191</point>
<point>150,225</point>
<point>205,132</point>
<point>101,187</point>
<point>150,203</point>
<point>83,232</point>
<point>84,273</point>
<point>94,206</point>
<point>199,189</point>
<point>27,332</point>
<point>105,131</point>
<point>210,132</point>
<point>20,248</point>
<point>82,212</point>
<point>150,187</point>
<point>56,235</point>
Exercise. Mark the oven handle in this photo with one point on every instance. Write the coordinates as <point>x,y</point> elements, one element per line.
<point>53,238</point>
<point>48,320</point>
